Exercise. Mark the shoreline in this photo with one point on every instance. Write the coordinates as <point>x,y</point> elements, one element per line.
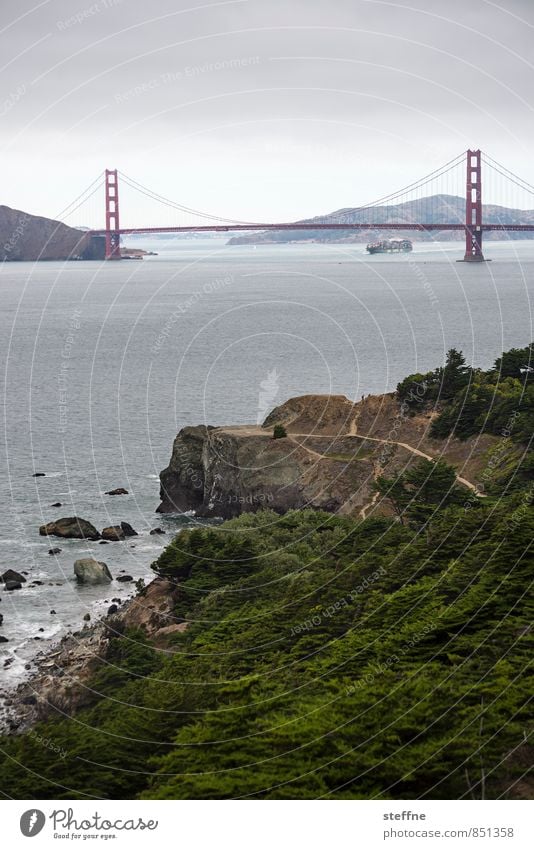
<point>57,684</point>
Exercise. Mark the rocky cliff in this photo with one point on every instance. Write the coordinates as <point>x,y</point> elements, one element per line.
<point>25,237</point>
<point>329,460</point>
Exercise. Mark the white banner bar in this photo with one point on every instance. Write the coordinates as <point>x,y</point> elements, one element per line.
<point>270,825</point>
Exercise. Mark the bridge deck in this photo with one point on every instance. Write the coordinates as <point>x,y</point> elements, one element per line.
<point>236,228</point>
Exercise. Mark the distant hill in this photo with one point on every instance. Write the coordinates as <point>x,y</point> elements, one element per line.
<point>25,237</point>
<point>434,209</point>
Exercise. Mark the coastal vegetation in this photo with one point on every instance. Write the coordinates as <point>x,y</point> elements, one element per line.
<point>326,656</point>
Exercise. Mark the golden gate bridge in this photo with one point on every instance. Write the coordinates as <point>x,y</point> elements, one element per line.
<point>407,209</point>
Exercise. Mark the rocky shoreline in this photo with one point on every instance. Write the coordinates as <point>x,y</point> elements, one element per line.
<point>59,683</point>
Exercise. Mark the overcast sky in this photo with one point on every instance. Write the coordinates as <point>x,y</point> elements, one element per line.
<point>258,109</point>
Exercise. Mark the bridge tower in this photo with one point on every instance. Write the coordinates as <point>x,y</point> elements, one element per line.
<point>473,208</point>
<point>113,239</point>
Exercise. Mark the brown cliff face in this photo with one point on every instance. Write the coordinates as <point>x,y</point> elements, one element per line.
<point>25,237</point>
<point>332,454</point>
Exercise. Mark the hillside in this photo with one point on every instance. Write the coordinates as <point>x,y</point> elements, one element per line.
<point>25,237</point>
<point>312,655</point>
<point>434,209</point>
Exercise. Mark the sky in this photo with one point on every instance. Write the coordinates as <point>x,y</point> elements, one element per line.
<point>258,110</point>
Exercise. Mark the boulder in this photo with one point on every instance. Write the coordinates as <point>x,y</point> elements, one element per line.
<point>4,640</point>
<point>124,578</point>
<point>54,551</point>
<point>71,527</point>
<point>56,504</point>
<point>112,609</point>
<point>13,585</point>
<point>11,575</point>
<point>39,475</point>
<point>156,531</point>
<point>87,617</point>
<point>119,491</point>
<point>1,618</point>
<point>113,534</point>
<point>128,530</point>
<point>91,571</point>
<point>118,532</point>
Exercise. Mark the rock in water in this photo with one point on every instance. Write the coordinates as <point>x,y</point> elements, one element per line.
<point>13,585</point>
<point>124,579</point>
<point>11,575</point>
<point>128,530</point>
<point>118,532</point>
<point>156,531</point>
<point>54,551</point>
<point>119,491</point>
<point>91,571</point>
<point>39,475</point>
<point>70,528</point>
<point>113,534</point>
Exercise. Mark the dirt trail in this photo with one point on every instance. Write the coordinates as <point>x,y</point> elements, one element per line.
<point>405,445</point>
<point>256,430</point>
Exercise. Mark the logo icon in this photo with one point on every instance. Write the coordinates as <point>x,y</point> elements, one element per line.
<point>32,822</point>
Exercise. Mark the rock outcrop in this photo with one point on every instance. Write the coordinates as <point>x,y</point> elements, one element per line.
<point>71,527</point>
<point>332,453</point>
<point>91,571</point>
<point>182,482</point>
<point>227,471</point>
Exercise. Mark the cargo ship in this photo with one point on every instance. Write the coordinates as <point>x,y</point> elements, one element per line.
<point>390,246</point>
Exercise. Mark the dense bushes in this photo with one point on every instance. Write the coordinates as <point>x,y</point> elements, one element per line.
<point>324,657</point>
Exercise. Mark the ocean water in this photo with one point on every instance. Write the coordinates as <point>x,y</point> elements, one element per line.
<point>103,363</point>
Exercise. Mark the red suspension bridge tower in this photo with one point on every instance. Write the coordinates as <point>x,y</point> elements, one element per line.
<point>113,236</point>
<point>473,208</point>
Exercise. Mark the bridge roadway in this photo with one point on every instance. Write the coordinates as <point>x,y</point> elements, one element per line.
<point>236,228</point>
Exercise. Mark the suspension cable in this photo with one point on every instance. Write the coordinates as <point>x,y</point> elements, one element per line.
<point>98,180</point>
